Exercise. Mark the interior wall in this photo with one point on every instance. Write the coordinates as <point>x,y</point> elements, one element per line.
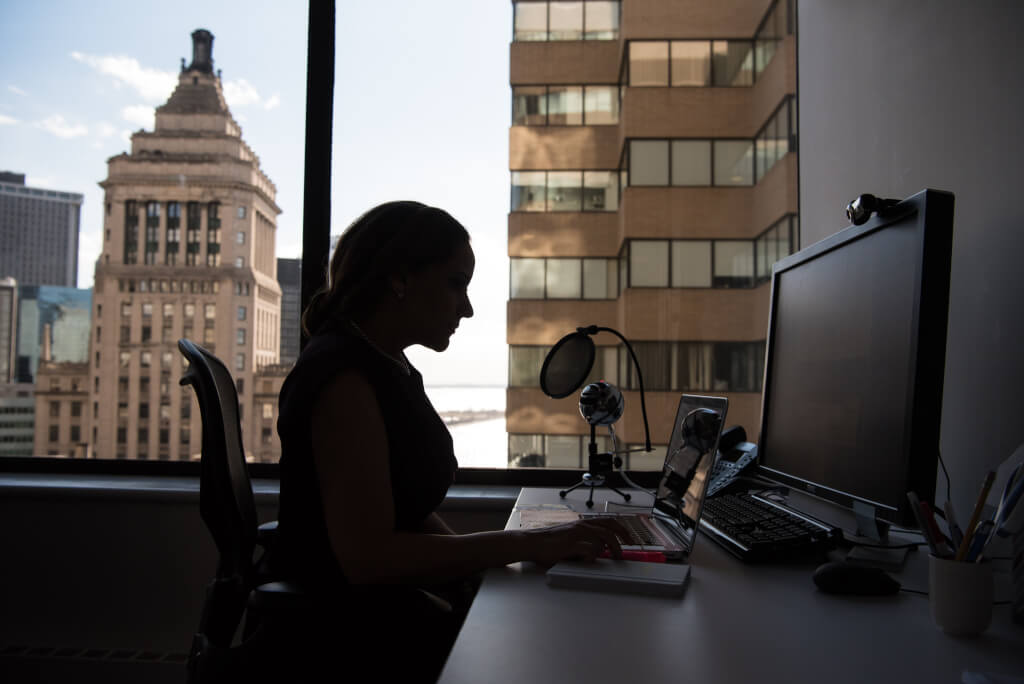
<point>896,97</point>
<point>85,568</point>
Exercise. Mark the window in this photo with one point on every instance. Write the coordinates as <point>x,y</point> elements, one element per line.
<point>145,359</point>
<point>529,190</point>
<point>733,62</point>
<point>563,279</point>
<point>210,311</point>
<point>691,62</point>
<point>648,162</point>
<point>527,278</point>
<point>241,312</point>
<point>239,361</point>
<point>564,20</point>
<point>54,433</point>
<point>734,263</point>
<point>268,410</point>
<point>565,105</point>
<point>734,162</point>
<point>240,236</point>
<point>524,363</point>
<point>691,162</point>
<point>240,386</point>
<point>239,262</point>
<point>648,63</point>
<point>691,263</point>
<point>76,409</point>
<point>240,336</point>
<point>241,212</point>
<point>55,409</point>
<point>648,263</point>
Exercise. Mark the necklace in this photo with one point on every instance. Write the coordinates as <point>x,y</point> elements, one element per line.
<point>401,363</point>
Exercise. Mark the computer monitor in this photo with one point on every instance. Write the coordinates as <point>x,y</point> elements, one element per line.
<point>855,361</point>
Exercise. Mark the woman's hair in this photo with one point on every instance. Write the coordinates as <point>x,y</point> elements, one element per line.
<point>392,238</point>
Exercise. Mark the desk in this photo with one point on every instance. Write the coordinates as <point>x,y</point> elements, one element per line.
<point>736,623</point>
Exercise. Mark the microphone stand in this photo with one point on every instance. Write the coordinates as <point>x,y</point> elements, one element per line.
<point>600,465</point>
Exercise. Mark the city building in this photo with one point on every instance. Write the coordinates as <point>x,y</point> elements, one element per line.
<point>188,251</point>
<point>653,164</point>
<point>8,328</point>
<point>39,233</point>
<point>17,411</point>
<point>50,315</point>
<point>289,277</point>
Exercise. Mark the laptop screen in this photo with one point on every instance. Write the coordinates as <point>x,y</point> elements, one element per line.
<point>690,457</point>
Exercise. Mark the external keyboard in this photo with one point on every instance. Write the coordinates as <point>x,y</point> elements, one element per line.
<point>756,529</point>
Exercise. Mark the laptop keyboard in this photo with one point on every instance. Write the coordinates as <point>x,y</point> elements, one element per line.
<point>639,534</point>
<point>755,530</point>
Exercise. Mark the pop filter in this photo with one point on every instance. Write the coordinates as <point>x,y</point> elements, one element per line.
<point>567,365</point>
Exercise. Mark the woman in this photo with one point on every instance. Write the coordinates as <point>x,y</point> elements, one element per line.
<point>366,460</point>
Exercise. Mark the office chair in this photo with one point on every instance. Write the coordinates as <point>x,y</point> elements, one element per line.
<point>242,590</point>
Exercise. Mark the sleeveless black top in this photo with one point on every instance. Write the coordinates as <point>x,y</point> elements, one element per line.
<point>419,451</point>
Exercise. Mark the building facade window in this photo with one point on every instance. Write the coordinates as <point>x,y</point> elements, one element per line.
<point>173,234</point>
<point>563,278</point>
<point>131,232</point>
<point>565,191</point>
<point>213,234</point>
<point>690,63</point>
<point>589,105</point>
<point>557,20</point>
<point>193,226</point>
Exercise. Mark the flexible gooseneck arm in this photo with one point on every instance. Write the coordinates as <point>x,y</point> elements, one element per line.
<point>593,330</point>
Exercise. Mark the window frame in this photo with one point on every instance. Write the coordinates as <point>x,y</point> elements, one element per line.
<point>316,240</point>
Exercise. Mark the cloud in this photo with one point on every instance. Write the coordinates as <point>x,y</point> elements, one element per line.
<point>7,120</point>
<point>58,126</point>
<point>138,114</point>
<point>240,93</point>
<point>153,85</point>
<point>105,130</point>
<point>16,90</point>
<point>273,102</point>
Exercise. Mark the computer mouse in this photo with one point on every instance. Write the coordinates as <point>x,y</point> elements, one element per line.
<point>840,577</point>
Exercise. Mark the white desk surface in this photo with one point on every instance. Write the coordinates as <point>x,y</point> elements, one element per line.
<point>736,623</point>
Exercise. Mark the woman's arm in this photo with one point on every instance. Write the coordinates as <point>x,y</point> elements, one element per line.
<point>355,487</point>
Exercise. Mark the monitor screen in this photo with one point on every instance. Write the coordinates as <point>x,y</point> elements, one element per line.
<point>855,360</point>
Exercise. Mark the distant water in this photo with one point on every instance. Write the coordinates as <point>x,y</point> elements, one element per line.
<point>467,397</point>
<point>483,444</point>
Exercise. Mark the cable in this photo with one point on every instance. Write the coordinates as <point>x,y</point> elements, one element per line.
<point>622,470</point>
<point>949,496</point>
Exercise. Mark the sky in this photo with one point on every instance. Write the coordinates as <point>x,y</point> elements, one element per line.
<point>422,109</point>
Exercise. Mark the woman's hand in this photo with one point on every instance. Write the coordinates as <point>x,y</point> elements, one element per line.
<point>580,540</point>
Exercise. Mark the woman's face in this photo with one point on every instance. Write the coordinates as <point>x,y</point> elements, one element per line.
<point>436,299</point>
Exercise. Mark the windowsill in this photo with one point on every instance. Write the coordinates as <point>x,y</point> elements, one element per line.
<point>179,488</point>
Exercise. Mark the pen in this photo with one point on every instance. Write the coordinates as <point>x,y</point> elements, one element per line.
<point>942,547</point>
<point>915,508</point>
<point>955,533</point>
<point>973,524</point>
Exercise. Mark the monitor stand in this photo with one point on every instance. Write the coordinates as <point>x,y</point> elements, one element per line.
<point>876,532</point>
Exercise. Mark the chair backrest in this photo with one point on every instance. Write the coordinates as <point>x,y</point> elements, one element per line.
<point>226,501</point>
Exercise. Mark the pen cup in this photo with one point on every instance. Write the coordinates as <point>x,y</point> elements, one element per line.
<point>960,594</point>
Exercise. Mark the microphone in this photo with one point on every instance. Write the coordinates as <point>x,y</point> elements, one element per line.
<point>601,403</point>
<point>570,361</point>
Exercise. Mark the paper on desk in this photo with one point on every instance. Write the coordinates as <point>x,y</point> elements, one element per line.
<point>531,519</point>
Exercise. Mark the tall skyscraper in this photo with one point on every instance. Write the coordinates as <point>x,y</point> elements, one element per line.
<point>39,233</point>
<point>289,276</point>
<point>654,184</point>
<point>188,251</point>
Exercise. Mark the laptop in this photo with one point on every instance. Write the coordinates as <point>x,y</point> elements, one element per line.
<point>671,525</point>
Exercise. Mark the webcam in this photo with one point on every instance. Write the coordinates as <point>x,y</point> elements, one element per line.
<point>860,210</point>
